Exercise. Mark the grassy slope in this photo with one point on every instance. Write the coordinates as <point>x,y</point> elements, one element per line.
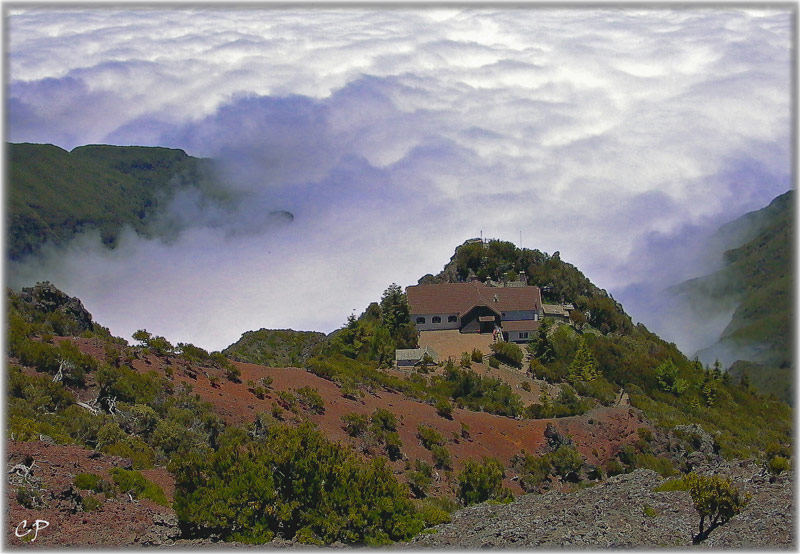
<point>54,194</point>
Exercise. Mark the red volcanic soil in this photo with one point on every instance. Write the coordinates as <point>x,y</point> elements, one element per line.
<point>118,521</point>
<point>598,434</point>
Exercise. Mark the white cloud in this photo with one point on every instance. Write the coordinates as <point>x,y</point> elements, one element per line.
<point>393,135</point>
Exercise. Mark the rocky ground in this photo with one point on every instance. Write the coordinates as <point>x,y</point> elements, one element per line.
<point>612,514</point>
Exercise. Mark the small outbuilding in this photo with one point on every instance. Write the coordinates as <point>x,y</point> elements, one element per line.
<point>409,357</point>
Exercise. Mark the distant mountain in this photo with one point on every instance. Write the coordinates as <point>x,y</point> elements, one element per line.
<point>755,284</point>
<point>54,194</point>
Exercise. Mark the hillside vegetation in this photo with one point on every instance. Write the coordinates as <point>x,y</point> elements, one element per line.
<point>275,347</point>
<point>279,473</point>
<point>757,281</point>
<point>54,194</point>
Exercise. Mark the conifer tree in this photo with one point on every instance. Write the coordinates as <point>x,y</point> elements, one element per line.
<point>583,366</point>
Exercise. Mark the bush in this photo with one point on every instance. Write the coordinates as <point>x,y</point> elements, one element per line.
<point>508,352</point>
<point>90,503</point>
<point>432,513</point>
<point>394,445</point>
<point>565,460</point>
<point>295,482</point>
<point>778,464</point>
<point>384,419</point>
<point>479,482</point>
<point>441,457</point>
<point>233,373</point>
<point>429,436</point>
<point>138,486</point>
<point>494,362</point>
<point>466,360</point>
<point>714,497</point>
<point>311,399</point>
<point>355,424</point>
<point>89,482</point>
<point>676,484</point>
<point>533,470</point>
<point>421,478</point>
<point>477,355</point>
<point>444,409</point>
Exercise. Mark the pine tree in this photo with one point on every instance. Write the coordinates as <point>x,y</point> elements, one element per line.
<point>583,366</point>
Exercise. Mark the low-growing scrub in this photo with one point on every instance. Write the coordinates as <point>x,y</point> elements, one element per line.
<point>138,486</point>
<point>482,481</point>
<point>294,482</point>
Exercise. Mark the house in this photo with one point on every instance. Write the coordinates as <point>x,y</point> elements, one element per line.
<point>408,357</point>
<point>557,311</point>
<point>474,307</point>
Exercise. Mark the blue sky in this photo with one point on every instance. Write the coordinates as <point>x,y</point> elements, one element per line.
<point>618,137</point>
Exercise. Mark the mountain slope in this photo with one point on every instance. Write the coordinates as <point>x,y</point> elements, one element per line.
<point>53,194</point>
<point>275,347</point>
<point>756,283</point>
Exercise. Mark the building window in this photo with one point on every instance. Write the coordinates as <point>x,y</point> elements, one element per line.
<point>523,334</point>
<point>420,320</point>
<point>436,319</point>
<point>452,319</point>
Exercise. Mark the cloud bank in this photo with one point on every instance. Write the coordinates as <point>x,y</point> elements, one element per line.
<point>620,138</point>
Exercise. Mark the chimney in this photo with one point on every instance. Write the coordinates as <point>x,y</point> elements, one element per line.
<point>523,277</point>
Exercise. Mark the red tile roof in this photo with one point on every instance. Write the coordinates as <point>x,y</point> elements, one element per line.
<point>458,298</point>
<point>522,325</point>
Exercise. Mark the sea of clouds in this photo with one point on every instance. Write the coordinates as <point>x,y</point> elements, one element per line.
<point>619,137</point>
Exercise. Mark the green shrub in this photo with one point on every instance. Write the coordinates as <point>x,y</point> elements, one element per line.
<point>421,478</point>
<point>355,424</point>
<point>393,444</point>
<point>287,400</point>
<point>533,470</point>
<point>29,497</point>
<point>778,464</point>
<point>565,460</point>
<point>233,373</point>
<point>90,503</point>
<point>141,455</point>
<point>88,481</point>
<point>444,409</point>
<point>294,481</point>
<point>675,484</point>
<point>661,465</point>
<point>441,457</point>
<point>714,497</point>
<point>479,482</point>
<point>494,362</point>
<point>507,352</point>
<point>466,360</point>
<point>477,355</point>
<point>130,386</point>
<point>429,437</point>
<point>138,486</point>
<point>432,513</point>
<point>645,434</point>
<point>311,399</point>
<point>384,419</point>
